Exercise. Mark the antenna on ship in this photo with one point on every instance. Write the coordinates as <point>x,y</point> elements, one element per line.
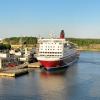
<point>51,35</point>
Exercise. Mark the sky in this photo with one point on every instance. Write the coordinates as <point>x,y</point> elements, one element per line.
<point>78,18</point>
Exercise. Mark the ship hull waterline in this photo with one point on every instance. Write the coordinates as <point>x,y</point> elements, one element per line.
<point>54,65</point>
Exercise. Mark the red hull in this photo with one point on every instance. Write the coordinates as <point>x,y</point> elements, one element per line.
<point>49,64</point>
<point>59,63</point>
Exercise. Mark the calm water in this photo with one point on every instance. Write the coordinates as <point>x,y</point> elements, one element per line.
<point>78,82</point>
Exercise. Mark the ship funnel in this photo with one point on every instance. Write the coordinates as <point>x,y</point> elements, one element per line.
<point>62,34</point>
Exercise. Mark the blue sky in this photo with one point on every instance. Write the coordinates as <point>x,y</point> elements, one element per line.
<point>79,18</point>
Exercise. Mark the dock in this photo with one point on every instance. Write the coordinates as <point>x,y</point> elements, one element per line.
<point>18,70</point>
<point>14,73</point>
<point>34,65</point>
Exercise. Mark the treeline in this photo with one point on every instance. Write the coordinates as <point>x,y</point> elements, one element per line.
<point>33,40</point>
<point>21,40</point>
<point>84,42</point>
<point>5,46</point>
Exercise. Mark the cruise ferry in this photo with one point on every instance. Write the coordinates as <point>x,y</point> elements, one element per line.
<point>56,52</point>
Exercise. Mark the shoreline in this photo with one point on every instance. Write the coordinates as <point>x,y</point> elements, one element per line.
<point>89,50</point>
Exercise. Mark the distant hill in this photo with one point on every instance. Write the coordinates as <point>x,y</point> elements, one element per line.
<point>30,41</point>
<point>20,40</point>
<point>33,40</point>
<point>86,44</point>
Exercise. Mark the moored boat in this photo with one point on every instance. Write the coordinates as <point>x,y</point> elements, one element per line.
<point>56,52</point>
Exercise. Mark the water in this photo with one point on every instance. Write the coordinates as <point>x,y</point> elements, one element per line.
<point>78,82</point>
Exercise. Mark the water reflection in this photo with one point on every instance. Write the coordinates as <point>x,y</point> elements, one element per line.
<point>56,85</point>
<point>46,74</point>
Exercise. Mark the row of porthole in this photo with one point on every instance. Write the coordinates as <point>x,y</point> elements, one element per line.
<point>50,55</point>
<point>51,49</point>
<point>50,43</point>
<point>52,52</point>
<point>51,46</point>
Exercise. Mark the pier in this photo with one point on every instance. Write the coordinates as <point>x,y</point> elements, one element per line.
<point>18,70</point>
<point>34,65</point>
<point>14,71</point>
